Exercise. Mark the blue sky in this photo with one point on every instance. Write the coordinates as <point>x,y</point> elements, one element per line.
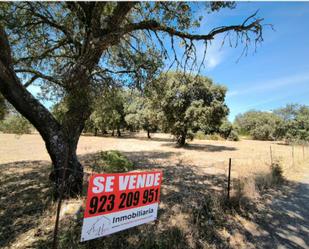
<point>278,72</point>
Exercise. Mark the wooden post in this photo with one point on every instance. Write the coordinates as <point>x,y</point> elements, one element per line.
<point>55,237</point>
<point>271,156</point>
<point>229,179</point>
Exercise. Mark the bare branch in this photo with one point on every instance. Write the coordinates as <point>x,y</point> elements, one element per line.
<point>29,82</point>
<point>102,71</point>
<point>254,26</point>
<point>38,75</point>
<point>19,97</point>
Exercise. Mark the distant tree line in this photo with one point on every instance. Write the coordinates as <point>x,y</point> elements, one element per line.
<point>177,103</point>
<point>183,105</point>
<point>290,123</point>
<point>11,121</point>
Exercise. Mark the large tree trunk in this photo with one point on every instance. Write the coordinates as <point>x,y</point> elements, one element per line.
<point>67,170</point>
<point>148,133</point>
<point>181,141</point>
<point>78,103</point>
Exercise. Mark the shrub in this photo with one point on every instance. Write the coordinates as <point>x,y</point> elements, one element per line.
<point>225,129</point>
<point>274,177</point>
<point>15,124</point>
<point>200,135</point>
<point>214,137</point>
<point>276,173</point>
<point>244,191</point>
<point>260,125</point>
<point>112,162</point>
<point>263,132</point>
<point>233,136</point>
<point>263,181</point>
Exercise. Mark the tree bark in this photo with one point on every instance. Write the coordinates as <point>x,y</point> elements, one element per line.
<point>148,134</point>
<point>118,132</point>
<point>181,141</point>
<point>67,170</point>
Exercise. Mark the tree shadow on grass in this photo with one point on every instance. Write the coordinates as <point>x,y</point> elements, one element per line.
<point>187,218</point>
<point>133,135</point>
<point>286,221</point>
<point>193,204</point>
<point>191,215</point>
<point>156,139</point>
<point>201,147</point>
<point>25,193</point>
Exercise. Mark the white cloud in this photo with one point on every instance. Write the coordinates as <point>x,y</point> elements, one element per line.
<point>281,97</point>
<point>266,85</point>
<point>214,54</point>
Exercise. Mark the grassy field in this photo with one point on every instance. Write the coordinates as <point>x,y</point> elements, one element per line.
<point>192,211</point>
<point>248,156</point>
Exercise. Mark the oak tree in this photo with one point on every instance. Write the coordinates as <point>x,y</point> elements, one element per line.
<point>142,112</point>
<point>190,103</point>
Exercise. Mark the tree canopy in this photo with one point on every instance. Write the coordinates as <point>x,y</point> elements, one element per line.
<point>290,123</point>
<point>260,125</point>
<point>189,103</point>
<point>296,122</point>
<point>142,112</point>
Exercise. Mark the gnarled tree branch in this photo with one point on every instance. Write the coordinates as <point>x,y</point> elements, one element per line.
<point>153,25</point>
<point>16,93</point>
<point>37,75</point>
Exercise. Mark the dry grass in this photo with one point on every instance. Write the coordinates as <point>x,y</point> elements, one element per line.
<point>192,211</point>
<point>248,156</point>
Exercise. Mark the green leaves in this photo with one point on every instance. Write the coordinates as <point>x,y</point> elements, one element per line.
<point>290,122</point>
<point>108,109</point>
<point>112,161</point>
<point>142,112</point>
<point>15,124</point>
<point>190,103</point>
<point>260,125</point>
